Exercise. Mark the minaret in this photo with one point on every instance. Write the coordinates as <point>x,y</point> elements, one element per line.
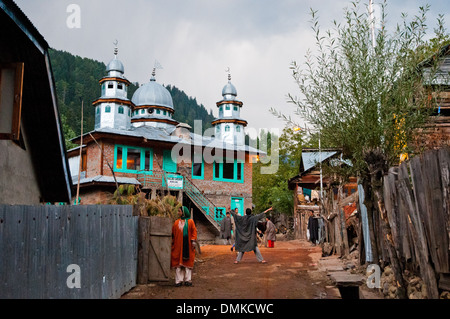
<point>229,126</point>
<point>113,109</point>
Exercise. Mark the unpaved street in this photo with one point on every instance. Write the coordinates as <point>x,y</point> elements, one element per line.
<point>291,272</point>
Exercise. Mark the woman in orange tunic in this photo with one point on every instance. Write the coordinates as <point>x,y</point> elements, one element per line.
<point>184,233</point>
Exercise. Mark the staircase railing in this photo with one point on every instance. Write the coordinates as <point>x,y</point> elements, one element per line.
<point>201,201</point>
<point>158,179</point>
<point>154,180</point>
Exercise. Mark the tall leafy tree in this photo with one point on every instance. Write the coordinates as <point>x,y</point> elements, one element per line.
<point>272,189</point>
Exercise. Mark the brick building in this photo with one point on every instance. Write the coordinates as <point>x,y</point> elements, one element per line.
<point>139,142</point>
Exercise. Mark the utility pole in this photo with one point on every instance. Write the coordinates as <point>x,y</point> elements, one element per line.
<point>81,156</point>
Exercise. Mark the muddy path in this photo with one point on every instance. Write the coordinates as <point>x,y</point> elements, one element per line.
<point>291,272</point>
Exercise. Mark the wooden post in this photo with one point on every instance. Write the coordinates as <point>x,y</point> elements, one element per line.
<point>81,156</point>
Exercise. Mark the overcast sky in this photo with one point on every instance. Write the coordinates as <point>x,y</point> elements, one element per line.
<point>195,41</point>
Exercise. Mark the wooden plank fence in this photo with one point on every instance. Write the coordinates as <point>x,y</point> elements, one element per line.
<point>39,243</point>
<point>416,196</point>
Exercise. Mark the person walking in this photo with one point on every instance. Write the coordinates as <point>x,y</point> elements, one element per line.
<point>184,236</point>
<point>271,233</point>
<point>246,234</point>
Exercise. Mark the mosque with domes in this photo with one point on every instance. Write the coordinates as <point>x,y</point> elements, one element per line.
<point>139,142</point>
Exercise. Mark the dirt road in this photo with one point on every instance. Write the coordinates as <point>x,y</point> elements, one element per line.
<point>291,272</point>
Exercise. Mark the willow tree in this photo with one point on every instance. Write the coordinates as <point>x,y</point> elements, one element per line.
<point>362,89</point>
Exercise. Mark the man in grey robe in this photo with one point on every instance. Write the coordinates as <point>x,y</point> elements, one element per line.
<point>225,229</point>
<point>246,234</point>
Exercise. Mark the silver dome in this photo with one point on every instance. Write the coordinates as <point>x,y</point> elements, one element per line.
<point>115,65</point>
<point>152,93</point>
<point>229,89</point>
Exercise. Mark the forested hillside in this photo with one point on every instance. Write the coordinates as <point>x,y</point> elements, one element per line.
<point>76,80</point>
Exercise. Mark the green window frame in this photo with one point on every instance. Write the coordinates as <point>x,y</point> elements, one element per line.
<point>227,128</point>
<point>120,109</point>
<point>133,159</point>
<point>229,172</point>
<point>219,213</point>
<point>108,109</point>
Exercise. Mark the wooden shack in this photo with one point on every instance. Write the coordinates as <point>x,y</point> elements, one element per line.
<point>330,206</point>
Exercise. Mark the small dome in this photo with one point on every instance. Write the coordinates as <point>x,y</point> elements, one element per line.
<point>229,89</point>
<point>152,93</point>
<point>115,65</point>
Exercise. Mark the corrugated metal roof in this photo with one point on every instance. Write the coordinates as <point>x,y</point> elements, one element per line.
<point>310,159</point>
<point>164,135</point>
<point>108,179</point>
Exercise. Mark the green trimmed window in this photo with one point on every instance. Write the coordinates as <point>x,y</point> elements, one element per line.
<point>132,159</point>
<point>108,109</point>
<point>219,213</point>
<point>120,109</point>
<point>229,172</point>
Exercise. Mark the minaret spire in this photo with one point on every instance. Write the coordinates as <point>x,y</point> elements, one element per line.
<point>116,49</point>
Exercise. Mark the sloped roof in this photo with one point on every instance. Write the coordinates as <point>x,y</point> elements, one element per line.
<point>311,159</point>
<point>21,41</point>
<point>108,179</point>
<point>159,134</point>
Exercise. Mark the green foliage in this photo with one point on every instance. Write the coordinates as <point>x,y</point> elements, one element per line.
<point>76,80</point>
<point>272,189</point>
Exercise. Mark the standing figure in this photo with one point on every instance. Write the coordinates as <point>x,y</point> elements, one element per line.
<point>225,229</point>
<point>246,234</point>
<point>184,235</point>
<point>313,227</point>
<point>271,232</point>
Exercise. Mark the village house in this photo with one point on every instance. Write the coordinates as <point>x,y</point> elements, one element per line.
<point>436,132</point>
<point>138,142</point>
<point>33,162</point>
<point>311,186</point>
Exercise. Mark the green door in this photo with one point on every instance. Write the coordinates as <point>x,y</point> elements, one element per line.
<point>168,164</point>
<point>239,203</point>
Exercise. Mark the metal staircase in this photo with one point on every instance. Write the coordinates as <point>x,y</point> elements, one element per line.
<point>201,201</point>
<point>158,179</point>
